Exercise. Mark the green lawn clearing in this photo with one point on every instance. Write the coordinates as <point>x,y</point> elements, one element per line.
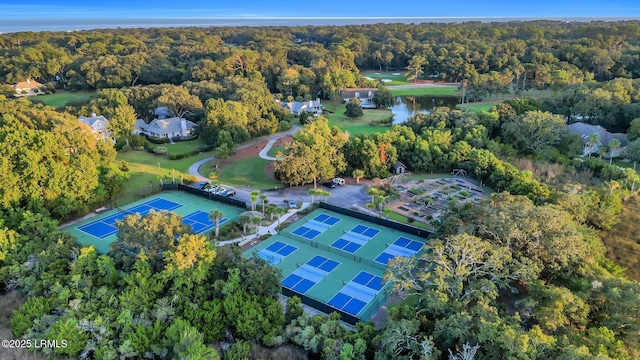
<point>361,125</point>
<point>427,91</point>
<point>274,150</point>
<point>181,147</point>
<point>403,219</point>
<point>247,173</point>
<point>388,75</point>
<point>60,99</point>
<point>146,168</point>
<point>477,107</point>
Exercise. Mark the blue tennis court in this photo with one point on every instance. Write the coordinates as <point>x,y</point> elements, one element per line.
<point>107,226</point>
<point>199,221</point>
<point>327,219</point>
<point>309,274</point>
<point>401,247</point>
<point>365,230</point>
<point>356,294</point>
<point>275,252</point>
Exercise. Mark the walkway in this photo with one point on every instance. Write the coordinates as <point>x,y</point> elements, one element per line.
<point>264,230</point>
<point>194,168</point>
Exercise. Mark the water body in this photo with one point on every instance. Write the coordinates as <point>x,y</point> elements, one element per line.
<point>9,25</point>
<point>407,106</point>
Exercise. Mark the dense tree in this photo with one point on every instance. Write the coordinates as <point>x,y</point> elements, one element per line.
<point>533,130</point>
<point>179,101</point>
<point>153,234</point>
<point>383,97</point>
<point>353,108</point>
<point>313,155</point>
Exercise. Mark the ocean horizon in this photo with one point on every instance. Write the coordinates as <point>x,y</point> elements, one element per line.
<point>54,25</point>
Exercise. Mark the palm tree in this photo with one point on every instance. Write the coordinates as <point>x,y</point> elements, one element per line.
<point>592,142</point>
<point>244,220</point>
<point>311,192</point>
<point>215,216</point>
<point>264,201</point>
<point>371,206</point>
<point>358,174</point>
<point>253,196</point>
<point>279,211</point>
<point>387,212</point>
<point>373,192</point>
<point>614,145</point>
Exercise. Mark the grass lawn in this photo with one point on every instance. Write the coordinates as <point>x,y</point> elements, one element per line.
<point>360,125</point>
<point>144,169</point>
<point>60,99</point>
<point>429,91</point>
<point>181,147</point>
<point>477,107</point>
<point>247,172</point>
<point>274,150</point>
<point>395,79</point>
<point>403,219</point>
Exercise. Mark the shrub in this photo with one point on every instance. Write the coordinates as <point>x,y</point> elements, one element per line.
<point>137,141</point>
<point>284,125</point>
<point>160,150</point>
<point>156,140</point>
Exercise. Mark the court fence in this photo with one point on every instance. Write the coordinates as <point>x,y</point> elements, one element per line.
<point>377,220</point>
<point>320,306</point>
<point>205,194</point>
<point>331,249</point>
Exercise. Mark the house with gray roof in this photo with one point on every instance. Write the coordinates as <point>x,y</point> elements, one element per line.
<point>604,138</point>
<point>165,128</point>
<point>296,107</point>
<point>365,95</point>
<point>99,125</point>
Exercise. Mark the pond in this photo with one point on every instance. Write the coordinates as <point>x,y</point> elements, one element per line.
<point>407,106</point>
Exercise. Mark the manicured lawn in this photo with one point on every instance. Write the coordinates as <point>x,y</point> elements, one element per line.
<point>247,172</point>
<point>274,150</point>
<point>429,91</point>
<point>145,168</point>
<point>403,219</point>
<point>182,147</point>
<point>477,107</point>
<point>360,125</point>
<point>395,79</point>
<point>60,99</point>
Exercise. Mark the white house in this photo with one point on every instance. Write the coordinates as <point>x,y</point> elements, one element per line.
<point>296,107</point>
<point>99,125</point>
<point>365,95</point>
<point>165,128</point>
<point>604,138</point>
<point>28,88</point>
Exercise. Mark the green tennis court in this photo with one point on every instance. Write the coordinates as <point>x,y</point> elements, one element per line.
<point>337,261</point>
<point>100,231</point>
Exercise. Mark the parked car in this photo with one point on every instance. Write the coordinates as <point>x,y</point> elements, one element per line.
<point>212,189</point>
<point>291,204</point>
<point>201,185</point>
<point>230,192</point>
<point>329,184</point>
<point>338,181</point>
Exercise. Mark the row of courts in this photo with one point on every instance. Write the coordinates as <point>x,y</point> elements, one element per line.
<point>101,230</point>
<point>337,262</point>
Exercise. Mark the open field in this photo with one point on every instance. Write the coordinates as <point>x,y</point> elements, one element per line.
<point>60,99</point>
<point>389,75</point>
<point>181,147</point>
<point>427,91</point>
<point>477,107</point>
<point>248,172</point>
<point>144,170</point>
<point>360,125</point>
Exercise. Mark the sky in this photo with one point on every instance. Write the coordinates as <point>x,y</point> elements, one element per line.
<point>57,9</point>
